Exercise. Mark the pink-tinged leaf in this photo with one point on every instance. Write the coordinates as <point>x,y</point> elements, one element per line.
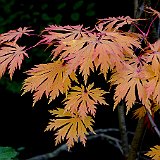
<point>54,32</point>
<point>14,35</point>
<point>11,57</point>
<point>114,23</point>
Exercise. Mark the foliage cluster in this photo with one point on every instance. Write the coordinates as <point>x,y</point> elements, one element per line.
<point>77,52</point>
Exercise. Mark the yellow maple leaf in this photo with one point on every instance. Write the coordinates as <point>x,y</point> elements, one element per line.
<point>140,112</point>
<point>83,100</point>
<point>155,107</point>
<point>49,79</point>
<point>70,127</point>
<point>154,152</point>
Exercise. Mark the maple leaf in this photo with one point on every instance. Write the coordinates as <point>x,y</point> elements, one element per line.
<point>14,34</point>
<point>107,51</point>
<point>57,33</point>
<point>128,81</point>
<point>140,112</point>
<point>154,152</point>
<point>153,11</point>
<point>83,48</point>
<point>70,127</point>
<point>82,100</point>
<point>48,78</point>
<point>152,74</point>
<point>114,23</point>
<point>11,57</point>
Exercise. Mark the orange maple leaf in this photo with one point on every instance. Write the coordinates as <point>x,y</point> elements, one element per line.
<point>11,57</point>
<point>140,112</point>
<point>70,127</point>
<point>154,152</point>
<point>152,74</point>
<point>82,100</point>
<point>49,79</point>
<point>107,51</point>
<point>83,48</point>
<point>128,81</point>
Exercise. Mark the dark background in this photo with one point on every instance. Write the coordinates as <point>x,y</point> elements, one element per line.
<point>20,124</point>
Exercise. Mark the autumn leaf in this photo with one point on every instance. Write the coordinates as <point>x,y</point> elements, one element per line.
<point>129,81</point>
<point>154,152</point>
<point>57,33</point>
<point>70,127</point>
<point>11,57</point>
<point>153,11</point>
<point>83,48</point>
<point>114,23</point>
<point>48,78</point>
<point>140,112</point>
<point>152,74</point>
<point>14,35</point>
<point>83,100</point>
<point>107,51</point>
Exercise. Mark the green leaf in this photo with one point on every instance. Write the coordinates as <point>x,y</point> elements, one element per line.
<point>7,153</point>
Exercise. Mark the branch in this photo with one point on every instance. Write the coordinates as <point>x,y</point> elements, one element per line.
<point>123,129</point>
<point>135,8</point>
<point>112,140</point>
<point>153,124</point>
<point>158,29</point>
<point>53,154</point>
<point>138,9</point>
<point>136,140</point>
<point>100,133</point>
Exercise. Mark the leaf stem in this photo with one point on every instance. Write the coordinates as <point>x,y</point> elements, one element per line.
<point>151,25</point>
<point>139,29</point>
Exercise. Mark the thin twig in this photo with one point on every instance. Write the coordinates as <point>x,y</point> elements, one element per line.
<point>153,124</point>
